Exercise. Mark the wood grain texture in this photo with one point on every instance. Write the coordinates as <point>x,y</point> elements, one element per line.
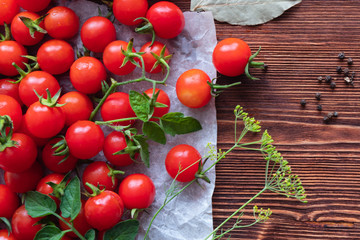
<point>299,46</point>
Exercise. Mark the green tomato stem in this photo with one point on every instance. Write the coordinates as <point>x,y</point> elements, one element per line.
<point>70,226</point>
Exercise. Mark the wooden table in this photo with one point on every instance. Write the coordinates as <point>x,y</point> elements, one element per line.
<point>299,46</point>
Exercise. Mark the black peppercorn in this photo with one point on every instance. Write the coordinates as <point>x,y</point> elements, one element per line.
<point>328,78</point>
<point>350,61</point>
<point>341,55</point>
<point>318,96</point>
<point>333,85</point>
<point>265,67</point>
<point>338,69</point>
<point>326,119</point>
<point>346,71</point>
<point>330,115</point>
<point>319,107</point>
<point>303,102</point>
<point>335,114</point>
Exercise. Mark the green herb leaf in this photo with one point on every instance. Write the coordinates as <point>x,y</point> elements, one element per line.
<point>49,232</point>
<point>243,12</point>
<point>70,204</point>
<point>154,132</point>
<point>39,205</point>
<point>144,149</point>
<point>126,230</point>
<point>7,223</point>
<point>175,123</point>
<point>90,235</point>
<point>140,105</point>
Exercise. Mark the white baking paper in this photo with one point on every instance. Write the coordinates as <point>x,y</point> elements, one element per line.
<point>188,216</point>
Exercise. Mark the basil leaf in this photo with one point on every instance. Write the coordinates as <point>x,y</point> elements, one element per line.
<point>49,232</point>
<point>39,205</point>
<point>144,149</point>
<point>90,235</point>
<point>7,223</point>
<point>175,123</point>
<point>126,230</point>
<point>140,105</point>
<point>154,132</point>
<point>70,204</point>
<point>243,12</point>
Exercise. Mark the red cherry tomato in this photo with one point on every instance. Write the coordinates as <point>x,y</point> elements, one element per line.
<point>149,59</point>
<point>78,107</point>
<point>86,75</point>
<point>24,181</point>
<point>38,141</point>
<point>8,87</point>
<point>115,142</point>
<point>113,58</point>
<point>192,88</point>
<point>162,98</point>
<point>8,10</point>
<point>52,162</point>
<point>182,157</point>
<point>9,201</point>
<point>104,210</point>
<point>44,188</point>
<point>4,235</point>
<point>24,227</point>
<point>96,33</point>
<point>33,5</point>
<point>38,81</point>
<point>43,121</point>
<point>167,19</point>
<point>9,106</point>
<point>21,33</point>
<point>55,56</point>
<point>11,52</point>
<point>126,11</point>
<point>79,223</point>
<point>85,139</point>
<point>117,106</point>
<point>137,191</point>
<point>61,22</point>
<point>98,174</point>
<point>230,56</point>
<point>20,157</point>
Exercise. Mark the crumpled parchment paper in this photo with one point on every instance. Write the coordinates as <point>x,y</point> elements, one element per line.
<point>188,216</point>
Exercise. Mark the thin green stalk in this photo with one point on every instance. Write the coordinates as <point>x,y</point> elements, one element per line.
<point>115,121</point>
<point>97,108</point>
<point>70,226</point>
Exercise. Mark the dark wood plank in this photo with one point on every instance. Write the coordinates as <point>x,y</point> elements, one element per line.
<point>299,46</point>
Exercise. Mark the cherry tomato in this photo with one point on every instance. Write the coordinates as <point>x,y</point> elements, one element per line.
<point>9,201</point>
<point>117,106</point>
<point>24,227</point>
<point>38,141</point>
<point>167,19</point>
<point>4,235</point>
<point>192,88</point>
<point>38,81</point>
<point>126,11</point>
<point>24,181</point>
<point>8,10</point>
<point>104,210</point>
<point>21,33</point>
<point>9,106</point>
<point>43,121</point>
<point>96,33</point>
<point>55,56</point>
<point>44,188</point>
<point>137,191</point>
<point>113,58</point>
<point>149,59</point>
<point>20,157</point>
<point>162,98</point>
<point>61,23</point>
<point>99,174</point>
<point>230,56</point>
<point>85,139</point>
<point>78,107</point>
<point>182,157</point>
<point>11,52</point>
<point>86,75</point>
<point>52,162</point>
<point>79,223</point>
<point>10,88</point>
<point>115,142</point>
<point>33,5</point>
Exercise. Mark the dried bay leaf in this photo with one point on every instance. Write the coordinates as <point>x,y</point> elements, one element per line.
<point>244,12</point>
